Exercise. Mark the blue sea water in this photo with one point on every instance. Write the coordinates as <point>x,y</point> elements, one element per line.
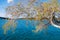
<point>24,32</point>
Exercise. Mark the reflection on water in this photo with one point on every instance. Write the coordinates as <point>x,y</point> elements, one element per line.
<point>38,29</point>
<point>25,33</point>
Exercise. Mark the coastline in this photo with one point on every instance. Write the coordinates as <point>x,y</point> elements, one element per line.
<point>51,20</point>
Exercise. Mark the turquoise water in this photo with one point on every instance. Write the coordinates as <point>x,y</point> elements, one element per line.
<point>24,32</point>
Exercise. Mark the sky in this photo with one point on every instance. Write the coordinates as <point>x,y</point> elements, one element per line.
<point>5,3</point>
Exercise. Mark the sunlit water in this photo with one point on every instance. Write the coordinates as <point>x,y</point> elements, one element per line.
<point>24,32</point>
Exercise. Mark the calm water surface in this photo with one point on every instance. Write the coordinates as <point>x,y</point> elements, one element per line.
<point>24,32</point>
